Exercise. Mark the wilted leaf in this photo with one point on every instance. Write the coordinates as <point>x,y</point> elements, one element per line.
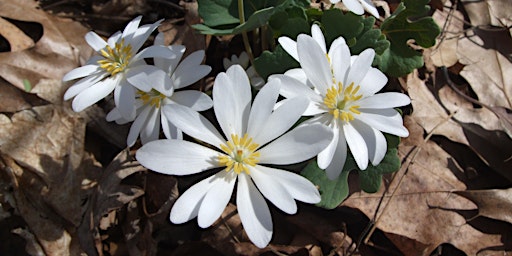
<point>11,98</point>
<point>444,53</point>
<point>492,203</point>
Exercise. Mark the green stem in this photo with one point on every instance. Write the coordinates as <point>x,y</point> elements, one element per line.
<point>244,34</point>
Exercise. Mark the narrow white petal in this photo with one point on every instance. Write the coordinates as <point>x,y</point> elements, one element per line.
<point>83,84</point>
<point>190,70</point>
<point>354,6</point>
<point>155,51</point>
<point>151,129</point>
<point>187,205</point>
<point>318,35</point>
<point>137,126</point>
<point>357,145</point>
<point>384,120</point>
<point>113,115</point>
<point>375,141</point>
<point>216,198</point>
<point>131,27</point>
<point>166,156</point>
<point>146,77</point>
<point>298,73</point>
<point>281,120</point>
<point>314,62</point>
<point>297,186</point>
<point>193,124</point>
<point>115,38</point>
<point>325,157</point>
<point>289,46</point>
<point>93,94</point>
<point>141,35</point>
<point>360,67</point>
<point>263,106</point>
<point>300,144</point>
<point>338,161</point>
<point>384,100</point>
<point>170,131</point>
<point>254,212</point>
<point>232,100</point>
<point>336,43</point>
<point>124,98</point>
<point>340,61</point>
<point>169,65</point>
<point>95,41</point>
<point>195,100</point>
<point>273,190</point>
<point>291,88</point>
<point>369,7</point>
<point>81,72</point>
<point>373,82</point>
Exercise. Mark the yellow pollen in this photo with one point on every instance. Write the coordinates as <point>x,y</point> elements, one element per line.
<point>152,97</point>
<point>340,101</point>
<point>239,154</point>
<point>115,59</point>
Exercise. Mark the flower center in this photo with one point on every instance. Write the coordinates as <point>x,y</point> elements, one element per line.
<point>152,97</point>
<point>340,101</point>
<point>239,154</point>
<point>117,58</point>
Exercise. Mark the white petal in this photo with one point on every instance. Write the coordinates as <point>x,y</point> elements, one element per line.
<point>375,141</point>
<point>193,124</point>
<point>336,43</point>
<point>298,73</point>
<point>154,51</point>
<point>151,129</point>
<point>384,100</point>
<point>384,120</point>
<point>96,42</point>
<point>357,145</point>
<point>354,6</point>
<point>195,100</point>
<point>299,187</point>
<point>169,65</point>
<point>298,145</point>
<point>253,211</point>
<point>190,70</point>
<point>325,157</point>
<point>273,190</point>
<point>314,62</point>
<point>124,99</point>
<point>81,72</point>
<point>340,61</point>
<point>141,35</point>
<point>263,106</point>
<point>136,127</point>
<point>115,38</point>
<point>131,27</point>
<point>83,84</point>
<point>187,205</point>
<point>170,131</point>
<point>369,7</point>
<point>360,67</point>
<point>317,34</point>
<point>281,120</point>
<point>373,82</point>
<point>289,46</point>
<point>93,94</point>
<point>338,161</point>
<point>146,77</point>
<point>291,88</point>
<point>232,100</point>
<point>166,156</point>
<point>216,198</point>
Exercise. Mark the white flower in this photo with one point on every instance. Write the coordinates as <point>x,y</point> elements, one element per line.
<point>150,104</point>
<point>358,6</point>
<point>254,137</point>
<point>115,67</point>
<point>256,80</point>
<point>342,92</point>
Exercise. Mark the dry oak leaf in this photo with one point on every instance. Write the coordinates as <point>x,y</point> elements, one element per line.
<point>489,12</point>
<point>492,203</point>
<point>61,48</point>
<point>418,209</point>
<point>444,53</point>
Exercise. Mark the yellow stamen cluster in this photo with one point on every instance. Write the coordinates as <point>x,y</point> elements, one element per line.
<point>116,59</point>
<point>152,97</point>
<point>338,101</point>
<point>239,154</point>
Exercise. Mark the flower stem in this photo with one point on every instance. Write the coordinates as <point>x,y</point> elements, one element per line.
<point>247,46</point>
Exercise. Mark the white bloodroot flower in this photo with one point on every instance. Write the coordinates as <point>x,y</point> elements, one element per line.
<point>243,60</point>
<point>150,111</point>
<point>253,136</point>
<point>358,6</point>
<point>342,90</point>
<point>115,67</point>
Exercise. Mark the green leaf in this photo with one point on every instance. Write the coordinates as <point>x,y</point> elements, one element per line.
<point>276,62</point>
<point>409,21</point>
<point>333,192</point>
<point>26,85</point>
<point>371,178</point>
<point>290,23</point>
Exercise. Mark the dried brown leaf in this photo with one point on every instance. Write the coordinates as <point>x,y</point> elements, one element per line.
<point>489,12</point>
<point>492,203</point>
<point>444,53</point>
<point>11,98</point>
